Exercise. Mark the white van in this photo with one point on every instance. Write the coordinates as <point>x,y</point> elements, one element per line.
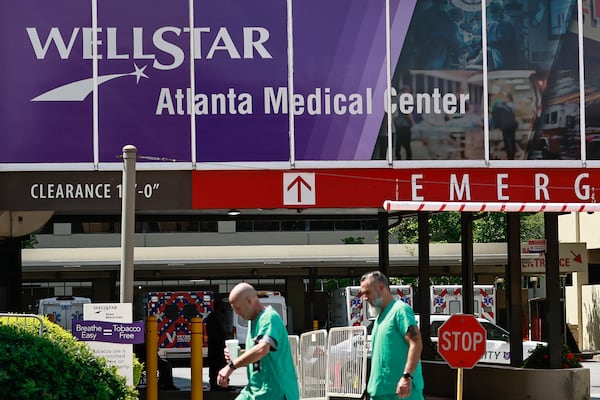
<point>174,312</point>
<point>346,306</point>
<point>448,300</point>
<point>63,310</point>
<point>497,342</point>
<point>268,298</point>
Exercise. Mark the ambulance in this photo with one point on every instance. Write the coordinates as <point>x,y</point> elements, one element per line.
<point>448,300</point>
<point>63,310</point>
<point>174,312</point>
<point>267,298</point>
<point>346,306</point>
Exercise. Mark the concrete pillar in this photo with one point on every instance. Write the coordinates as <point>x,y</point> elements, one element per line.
<point>104,290</point>
<point>295,300</point>
<point>10,284</point>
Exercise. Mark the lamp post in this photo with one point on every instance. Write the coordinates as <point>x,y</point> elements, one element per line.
<point>127,223</point>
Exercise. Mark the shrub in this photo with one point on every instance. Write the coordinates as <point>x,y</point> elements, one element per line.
<point>138,368</point>
<point>54,366</point>
<point>540,358</point>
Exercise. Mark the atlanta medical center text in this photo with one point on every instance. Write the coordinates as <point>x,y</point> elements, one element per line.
<point>247,43</point>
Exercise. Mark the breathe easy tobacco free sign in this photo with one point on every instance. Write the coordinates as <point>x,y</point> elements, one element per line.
<point>110,332</point>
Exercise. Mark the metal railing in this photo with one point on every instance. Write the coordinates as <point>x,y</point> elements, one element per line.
<point>294,341</point>
<point>347,350</point>
<point>24,320</point>
<point>313,364</point>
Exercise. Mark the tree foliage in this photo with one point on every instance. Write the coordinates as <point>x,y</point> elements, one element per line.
<point>30,242</point>
<point>445,227</point>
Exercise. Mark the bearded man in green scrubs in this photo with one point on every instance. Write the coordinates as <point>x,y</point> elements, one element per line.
<point>396,343</point>
<point>268,357</point>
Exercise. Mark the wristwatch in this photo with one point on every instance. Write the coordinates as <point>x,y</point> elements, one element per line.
<point>407,375</point>
<point>230,364</point>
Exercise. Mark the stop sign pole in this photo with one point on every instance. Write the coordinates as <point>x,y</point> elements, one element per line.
<point>461,342</point>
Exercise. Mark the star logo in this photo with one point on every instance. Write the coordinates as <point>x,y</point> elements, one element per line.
<point>79,90</point>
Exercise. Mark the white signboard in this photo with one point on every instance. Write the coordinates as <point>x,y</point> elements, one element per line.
<point>118,354</point>
<point>534,246</point>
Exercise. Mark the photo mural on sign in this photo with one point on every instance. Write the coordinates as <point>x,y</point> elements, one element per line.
<point>233,102</point>
<point>533,95</point>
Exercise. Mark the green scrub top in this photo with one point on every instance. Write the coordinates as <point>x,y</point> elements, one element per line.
<point>389,352</point>
<point>274,376</point>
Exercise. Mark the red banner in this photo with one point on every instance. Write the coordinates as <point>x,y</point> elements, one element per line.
<point>358,188</point>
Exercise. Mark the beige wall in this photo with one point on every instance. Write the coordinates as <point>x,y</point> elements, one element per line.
<point>588,229</point>
<point>590,327</point>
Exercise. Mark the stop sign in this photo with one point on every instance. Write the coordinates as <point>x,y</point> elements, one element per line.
<point>461,341</point>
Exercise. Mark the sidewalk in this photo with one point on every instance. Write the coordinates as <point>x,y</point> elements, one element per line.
<point>186,395</point>
<point>182,379</point>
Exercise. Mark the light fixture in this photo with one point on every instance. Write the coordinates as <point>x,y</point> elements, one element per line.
<point>233,212</point>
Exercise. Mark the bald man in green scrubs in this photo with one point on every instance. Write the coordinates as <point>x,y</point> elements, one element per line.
<point>268,357</point>
<point>396,343</point>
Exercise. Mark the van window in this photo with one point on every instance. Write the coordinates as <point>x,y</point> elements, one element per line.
<point>476,308</point>
<point>435,326</point>
<point>371,311</point>
<point>277,307</point>
<point>494,332</point>
<point>454,306</point>
<point>190,311</point>
<point>239,321</point>
<point>172,311</point>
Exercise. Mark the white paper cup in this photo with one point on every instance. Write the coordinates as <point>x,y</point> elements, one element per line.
<point>232,347</point>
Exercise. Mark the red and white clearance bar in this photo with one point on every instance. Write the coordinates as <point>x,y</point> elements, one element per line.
<point>391,205</point>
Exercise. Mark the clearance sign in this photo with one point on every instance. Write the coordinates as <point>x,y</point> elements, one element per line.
<point>301,188</point>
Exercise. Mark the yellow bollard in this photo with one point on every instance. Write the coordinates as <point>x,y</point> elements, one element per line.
<point>151,358</point>
<point>197,343</point>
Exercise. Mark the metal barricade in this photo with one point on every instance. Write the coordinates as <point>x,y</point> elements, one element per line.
<point>24,320</point>
<point>347,362</point>
<point>295,349</point>
<point>313,364</point>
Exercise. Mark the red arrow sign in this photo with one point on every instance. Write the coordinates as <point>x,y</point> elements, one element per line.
<point>299,181</point>
<point>577,257</point>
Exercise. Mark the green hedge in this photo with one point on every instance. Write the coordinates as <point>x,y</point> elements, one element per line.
<point>54,366</point>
